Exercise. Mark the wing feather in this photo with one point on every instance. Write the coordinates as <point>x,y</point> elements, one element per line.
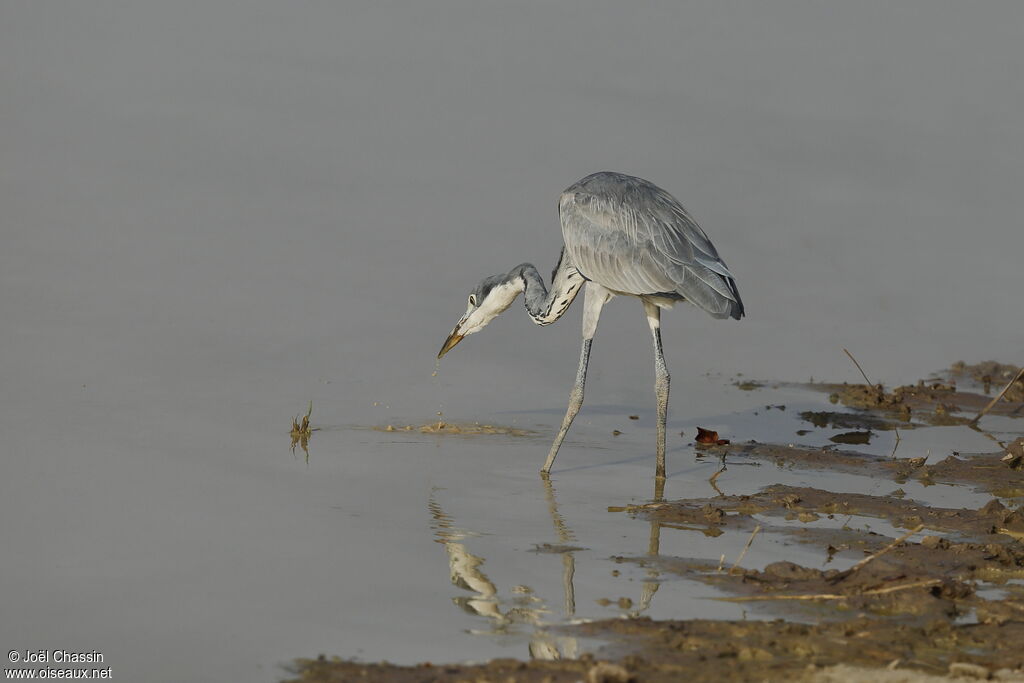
<point>633,237</point>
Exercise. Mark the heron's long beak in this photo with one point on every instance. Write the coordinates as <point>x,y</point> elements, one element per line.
<point>454,338</point>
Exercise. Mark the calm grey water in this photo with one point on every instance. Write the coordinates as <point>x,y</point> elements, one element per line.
<point>214,212</point>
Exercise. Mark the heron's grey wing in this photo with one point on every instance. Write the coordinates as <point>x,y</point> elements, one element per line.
<point>607,252</point>
<point>631,236</point>
<point>685,252</point>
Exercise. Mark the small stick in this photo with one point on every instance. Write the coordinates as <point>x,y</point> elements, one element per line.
<point>745,548</point>
<point>721,563</point>
<point>862,373</point>
<point>1013,534</point>
<point>842,575</point>
<point>1020,373</point>
<point>897,443</point>
<point>892,589</point>
<point>834,596</point>
<point>714,478</point>
<point>865,376</point>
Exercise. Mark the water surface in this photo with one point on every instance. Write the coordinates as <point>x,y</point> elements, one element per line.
<point>214,213</point>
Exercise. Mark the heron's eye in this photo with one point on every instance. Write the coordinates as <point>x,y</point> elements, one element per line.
<point>472,300</point>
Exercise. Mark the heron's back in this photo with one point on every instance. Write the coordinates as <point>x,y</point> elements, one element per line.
<point>629,235</point>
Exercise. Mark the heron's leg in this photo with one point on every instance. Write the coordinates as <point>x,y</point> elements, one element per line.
<point>661,383</point>
<point>596,297</point>
<point>575,401</point>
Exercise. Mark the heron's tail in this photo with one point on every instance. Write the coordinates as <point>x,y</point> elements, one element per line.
<point>711,291</point>
<point>736,310</point>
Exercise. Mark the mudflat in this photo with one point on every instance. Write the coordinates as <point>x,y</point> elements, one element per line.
<point>937,595</point>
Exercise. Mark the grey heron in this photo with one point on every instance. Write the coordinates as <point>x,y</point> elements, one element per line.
<point>623,236</point>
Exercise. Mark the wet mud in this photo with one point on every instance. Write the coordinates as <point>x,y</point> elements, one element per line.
<point>859,649</point>
<point>465,429</point>
<point>940,596</point>
<point>991,375</point>
<point>999,473</point>
<point>950,399</point>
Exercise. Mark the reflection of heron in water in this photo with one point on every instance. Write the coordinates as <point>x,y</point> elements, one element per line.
<point>650,587</point>
<point>465,568</point>
<point>543,645</point>
<point>467,573</point>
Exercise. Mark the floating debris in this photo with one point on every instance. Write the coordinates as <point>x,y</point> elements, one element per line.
<point>707,436</point>
<point>852,438</point>
<point>464,429</point>
<point>301,431</point>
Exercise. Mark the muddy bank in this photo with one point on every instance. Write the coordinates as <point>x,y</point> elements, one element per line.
<point>908,607</point>
<point>936,401</point>
<point>991,375</point>
<point>809,504</point>
<point>700,650</point>
<point>453,429</point>
<point>933,575</point>
<point>940,598</point>
<point>1000,473</point>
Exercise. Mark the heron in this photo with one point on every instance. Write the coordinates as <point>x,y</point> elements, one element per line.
<point>623,236</point>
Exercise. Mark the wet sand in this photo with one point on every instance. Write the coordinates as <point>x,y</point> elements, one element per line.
<point>941,597</point>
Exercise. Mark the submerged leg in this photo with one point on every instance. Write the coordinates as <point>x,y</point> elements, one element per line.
<point>596,297</point>
<point>661,383</point>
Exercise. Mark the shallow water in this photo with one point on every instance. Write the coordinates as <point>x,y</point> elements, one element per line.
<point>213,214</point>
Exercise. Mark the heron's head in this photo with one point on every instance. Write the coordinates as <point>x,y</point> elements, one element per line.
<point>492,296</point>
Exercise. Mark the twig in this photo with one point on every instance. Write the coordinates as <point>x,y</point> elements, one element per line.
<point>1011,533</point>
<point>843,574</point>
<point>714,478</point>
<point>758,598</point>
<point>989,436</point>
<point>892,589</point>
<point>721,563</point>
<point>862,373</point>
<point>896,444</point>
<point>835,596</point>
<point>865,376</point>
<point>1020,373</point>
<point>745,548</point>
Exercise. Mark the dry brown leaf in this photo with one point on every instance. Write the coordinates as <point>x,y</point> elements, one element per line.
<point>709,436</point>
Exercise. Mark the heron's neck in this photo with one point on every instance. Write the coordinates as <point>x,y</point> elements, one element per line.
<point>546,306</point>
